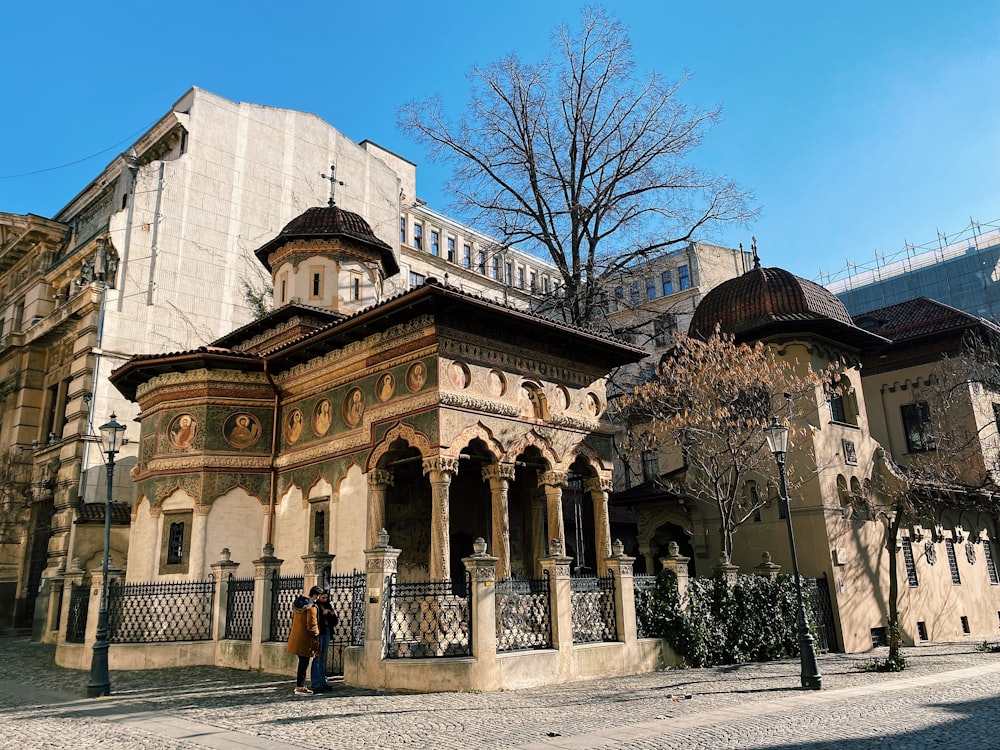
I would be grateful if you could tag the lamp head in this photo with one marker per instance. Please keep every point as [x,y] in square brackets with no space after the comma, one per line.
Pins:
[777,438]
[111,434]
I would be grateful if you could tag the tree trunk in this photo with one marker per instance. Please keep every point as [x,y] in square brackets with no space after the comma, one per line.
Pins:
[895,637]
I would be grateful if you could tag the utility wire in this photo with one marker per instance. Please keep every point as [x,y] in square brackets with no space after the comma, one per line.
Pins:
[85,158]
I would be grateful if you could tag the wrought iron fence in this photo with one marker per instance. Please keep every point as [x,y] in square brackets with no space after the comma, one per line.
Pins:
[283,593]
[644,588]
[239,609]
[79,605]
[593,607]
[523,614]
[817,592]
[347,597]
[427,619]
[160,612]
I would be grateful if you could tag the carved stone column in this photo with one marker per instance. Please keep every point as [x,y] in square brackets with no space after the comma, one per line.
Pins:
[222,569]
[599,487]
[620,566]
[199,532]
[482,570]
[553,482]
[561,603]
[678,563]
[265,569]
[500,476]
[539,547]
[440,470]
[379,482]
[767,568]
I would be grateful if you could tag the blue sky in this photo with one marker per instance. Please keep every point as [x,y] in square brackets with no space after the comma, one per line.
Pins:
[858,125]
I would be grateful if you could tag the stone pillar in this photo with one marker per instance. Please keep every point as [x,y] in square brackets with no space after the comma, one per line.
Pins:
[380,565]
[222,569]
[199,529]
[599,487]
[620,566]
[647,555]
[439,471]
[539,547]
[50,599]
[727,569]
[483,622]
[379,482]
[115,575]
[265,568]
[678,563]
[500,476]
[315,565]
[766,568]
[553,482]
[557,566]
[72,577]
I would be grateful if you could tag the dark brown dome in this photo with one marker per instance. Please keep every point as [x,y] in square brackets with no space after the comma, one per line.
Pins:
[766,301]
[322,222]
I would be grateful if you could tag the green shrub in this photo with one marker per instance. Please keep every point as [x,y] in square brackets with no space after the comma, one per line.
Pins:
[755,620]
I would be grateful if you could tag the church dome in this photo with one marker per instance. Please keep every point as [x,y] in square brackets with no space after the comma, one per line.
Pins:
[330,222]
[766,301]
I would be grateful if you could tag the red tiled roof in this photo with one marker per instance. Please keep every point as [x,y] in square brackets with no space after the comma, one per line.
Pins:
[121,513]
[917,318]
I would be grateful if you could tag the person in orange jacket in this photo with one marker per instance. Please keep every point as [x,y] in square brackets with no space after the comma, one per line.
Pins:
[303,641]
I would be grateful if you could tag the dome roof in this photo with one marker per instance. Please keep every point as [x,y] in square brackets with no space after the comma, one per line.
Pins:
[766,301]
[323,222]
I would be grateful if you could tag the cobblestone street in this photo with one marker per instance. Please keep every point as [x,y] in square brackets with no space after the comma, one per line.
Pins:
[950,696]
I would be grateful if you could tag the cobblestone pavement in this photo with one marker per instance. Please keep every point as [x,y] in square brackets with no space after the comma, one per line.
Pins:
[949,696]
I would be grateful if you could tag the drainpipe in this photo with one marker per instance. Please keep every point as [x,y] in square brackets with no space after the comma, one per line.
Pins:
[156,232]
[272,492]
[133,169]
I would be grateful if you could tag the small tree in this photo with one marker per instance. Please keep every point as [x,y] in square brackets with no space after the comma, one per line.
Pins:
[581,159]
[712,400]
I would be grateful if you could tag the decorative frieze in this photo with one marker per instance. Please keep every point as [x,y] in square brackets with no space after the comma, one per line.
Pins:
[479,403]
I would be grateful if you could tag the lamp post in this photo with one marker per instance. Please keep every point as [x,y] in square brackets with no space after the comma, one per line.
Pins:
[100,680]
[777,441]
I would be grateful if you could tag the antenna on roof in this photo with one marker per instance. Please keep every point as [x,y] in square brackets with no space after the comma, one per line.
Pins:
[753,249]
[332,177]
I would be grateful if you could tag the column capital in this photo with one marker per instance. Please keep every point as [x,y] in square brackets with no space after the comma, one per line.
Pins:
[553,479]
[445,465]
[380,478]
[597,484]
[499,472]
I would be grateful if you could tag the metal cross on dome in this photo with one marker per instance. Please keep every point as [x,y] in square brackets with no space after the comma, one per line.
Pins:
[332,177]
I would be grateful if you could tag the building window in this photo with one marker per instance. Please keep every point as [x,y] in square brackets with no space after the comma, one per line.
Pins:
[435,243]
[651,288]
[921,630]
[533,281]
[481,262]
[916,427]
[545,284]
[508,274]
[633,292]
[949,545]
[683,277]
[316,292]
[496,269]
[467,256]
[402,230]
[451,249]
[416,279]
[966,630]
[356,287]
[664,328]
[650,465]
[284,289]
[991,568]
[667,282]
[908,561]
[837,411]
[520,277]
[418,236]
[175,543]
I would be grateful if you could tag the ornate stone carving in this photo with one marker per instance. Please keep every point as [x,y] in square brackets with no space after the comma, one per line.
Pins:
[488,573]
[380,478]
[399,431]
[553,479]
[444,464]
[478,403]
[381,565]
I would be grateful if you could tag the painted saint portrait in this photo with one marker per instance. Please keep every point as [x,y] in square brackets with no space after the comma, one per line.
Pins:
[182,431]
[322,417]
[386,387]
[241,430]
[460,375]
[354,407]
[416,376]
[293,426]
[496,383]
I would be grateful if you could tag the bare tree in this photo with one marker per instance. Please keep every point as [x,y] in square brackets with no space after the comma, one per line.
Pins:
[15,494]
[581,159]
[712,400]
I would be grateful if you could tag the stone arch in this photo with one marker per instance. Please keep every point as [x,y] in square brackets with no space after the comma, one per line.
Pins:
[587,451]
[532,439]
[320,487]
[399,431]
[470,433]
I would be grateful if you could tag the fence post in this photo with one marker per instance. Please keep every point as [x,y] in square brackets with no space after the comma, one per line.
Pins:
[264,569]
[380,563]
[561,598]
[727,569]
[94,605]
[73,576]
[766,568]
[483,616]
[678,563]
[221,570]
[620,566]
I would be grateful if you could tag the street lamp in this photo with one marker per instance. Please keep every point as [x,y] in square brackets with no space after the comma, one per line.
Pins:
[100,680]
[777,441]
